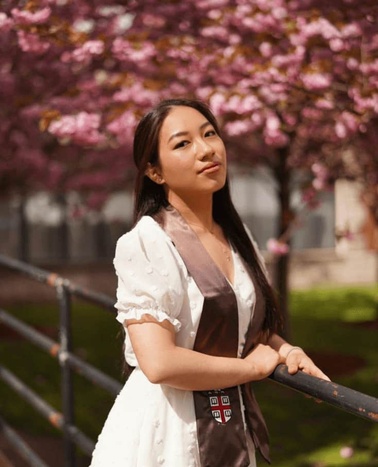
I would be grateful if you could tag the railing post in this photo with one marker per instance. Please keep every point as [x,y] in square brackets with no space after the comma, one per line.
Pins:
[65,338]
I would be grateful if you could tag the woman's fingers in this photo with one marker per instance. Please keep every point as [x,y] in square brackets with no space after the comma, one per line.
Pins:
[300,361]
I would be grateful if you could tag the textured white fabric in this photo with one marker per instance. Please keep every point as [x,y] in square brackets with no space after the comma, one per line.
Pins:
[151,425]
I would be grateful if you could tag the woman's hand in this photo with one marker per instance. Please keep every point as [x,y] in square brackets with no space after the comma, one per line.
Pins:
[263,360]
[296,360]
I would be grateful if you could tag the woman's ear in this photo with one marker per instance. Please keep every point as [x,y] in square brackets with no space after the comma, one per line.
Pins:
[153,173]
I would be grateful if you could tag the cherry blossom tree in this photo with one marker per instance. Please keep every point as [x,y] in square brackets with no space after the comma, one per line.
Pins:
[293,82]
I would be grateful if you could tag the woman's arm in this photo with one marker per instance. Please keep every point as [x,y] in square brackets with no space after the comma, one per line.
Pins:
[294,357]
[163,362]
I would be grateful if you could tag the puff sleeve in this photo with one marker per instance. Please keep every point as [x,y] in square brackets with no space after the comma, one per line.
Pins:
[150,279]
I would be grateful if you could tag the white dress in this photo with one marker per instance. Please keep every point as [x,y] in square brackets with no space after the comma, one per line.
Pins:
[152,425]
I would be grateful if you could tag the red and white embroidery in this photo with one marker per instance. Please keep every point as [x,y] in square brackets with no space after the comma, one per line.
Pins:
[220,407]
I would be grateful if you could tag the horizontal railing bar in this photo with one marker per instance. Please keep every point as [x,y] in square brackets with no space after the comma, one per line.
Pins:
[22,448]
[52,279]
[29,333]
[94,375]
[334,394]
[94,297]
[53,348]
[53,416]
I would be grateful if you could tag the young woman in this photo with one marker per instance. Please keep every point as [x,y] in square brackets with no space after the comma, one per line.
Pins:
[200,318]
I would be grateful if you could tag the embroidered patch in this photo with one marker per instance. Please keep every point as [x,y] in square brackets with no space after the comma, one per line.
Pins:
[220,406]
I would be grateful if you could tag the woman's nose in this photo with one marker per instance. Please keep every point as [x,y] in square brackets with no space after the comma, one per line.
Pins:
[204,149]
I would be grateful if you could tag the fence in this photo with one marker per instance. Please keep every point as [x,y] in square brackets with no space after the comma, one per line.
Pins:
[338,396]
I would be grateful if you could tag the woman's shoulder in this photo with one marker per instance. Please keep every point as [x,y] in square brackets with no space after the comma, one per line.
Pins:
[146,231]
[147,241]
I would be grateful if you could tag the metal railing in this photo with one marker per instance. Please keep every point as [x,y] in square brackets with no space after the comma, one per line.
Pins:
[338,396]
[62,351]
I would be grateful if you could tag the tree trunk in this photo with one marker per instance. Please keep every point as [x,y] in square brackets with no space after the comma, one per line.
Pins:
[23,229]
[281,273]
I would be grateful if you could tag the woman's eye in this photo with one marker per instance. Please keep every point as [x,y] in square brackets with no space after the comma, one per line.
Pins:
[181,144]
[210,133]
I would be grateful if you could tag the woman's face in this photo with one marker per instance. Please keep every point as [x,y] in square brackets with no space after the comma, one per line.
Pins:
[192,156]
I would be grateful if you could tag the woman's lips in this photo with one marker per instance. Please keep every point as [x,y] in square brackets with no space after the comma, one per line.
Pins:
[214,167]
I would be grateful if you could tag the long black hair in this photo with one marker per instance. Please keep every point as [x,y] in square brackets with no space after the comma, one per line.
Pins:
[150,197]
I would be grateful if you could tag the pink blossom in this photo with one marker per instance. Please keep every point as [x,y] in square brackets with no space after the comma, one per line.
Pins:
[324,104]
[337,44]
[316,81]
[319,170]
[371,67]
[348,235]
[216,4]
[352,63]
[204,93]
[266,49]
[273,135]
[32,111]
[346,125]
[237,128]
[312,113]
[272,123]
[175,89]
[249,104]
[309,197]
[81,128]
[351,30]
[319,184]
[217,103]
[279,12]
[234,39]
[289,119]
[87,50]
[258,23]
[277,247]
[346,452]
[183,53]
[153,21]
[289,59]
[216,32]
[321,174]
[136,93]
[214,14]
[123,127]
[277,139]
[257,119]
[123,50]
[29,42]
[27,17]
[5,22]
[321,27]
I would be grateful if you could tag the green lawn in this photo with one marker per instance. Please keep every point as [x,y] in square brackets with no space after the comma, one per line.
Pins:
[303,432]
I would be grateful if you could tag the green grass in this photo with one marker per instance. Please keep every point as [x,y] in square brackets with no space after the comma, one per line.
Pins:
[308,434]
[303,432]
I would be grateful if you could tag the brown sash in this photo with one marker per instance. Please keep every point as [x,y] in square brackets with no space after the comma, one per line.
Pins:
[220,428]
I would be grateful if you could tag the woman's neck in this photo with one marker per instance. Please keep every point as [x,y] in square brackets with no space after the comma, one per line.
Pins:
[198,213]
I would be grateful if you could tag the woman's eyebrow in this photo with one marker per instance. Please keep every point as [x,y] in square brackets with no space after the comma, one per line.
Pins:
[183,133]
